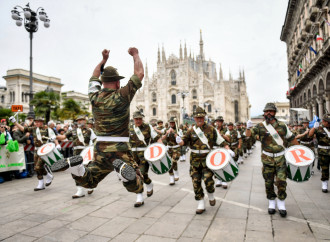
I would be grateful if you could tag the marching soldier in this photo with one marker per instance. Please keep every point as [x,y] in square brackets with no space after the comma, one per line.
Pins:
[273,135]
[247,141]
[81,139]
[322,133]
[182,131]
[173,149]
[110,106]
[218,122]
[303,136]
[40,137]
[235,143]
[201,138]
[142,135]
[241,150]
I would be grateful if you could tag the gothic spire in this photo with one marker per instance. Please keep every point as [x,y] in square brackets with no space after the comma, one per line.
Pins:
[220,73]
[230,76]
[163,54]
[146,70]
[201,52]
[180,51]
[243,75]
[185,50]
[158,61]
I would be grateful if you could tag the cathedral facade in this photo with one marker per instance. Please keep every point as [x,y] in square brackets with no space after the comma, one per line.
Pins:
[185,82]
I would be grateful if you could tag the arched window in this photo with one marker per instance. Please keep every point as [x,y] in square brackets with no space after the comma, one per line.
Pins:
[13,96]
[194,94]
[173,99]
[173,77]
[194,108]
[22,96]
[154,112]
[2,99]
[141,110]
[236,111]
[154,97]
[209,108]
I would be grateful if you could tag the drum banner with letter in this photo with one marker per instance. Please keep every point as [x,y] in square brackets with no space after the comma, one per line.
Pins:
[222,164]
[12,161]
[87,154]
[299,161]
[49,154]
[158,158]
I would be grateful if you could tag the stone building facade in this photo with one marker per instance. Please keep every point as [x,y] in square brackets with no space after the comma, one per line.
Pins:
[162,94]
[17,89]
[306,31]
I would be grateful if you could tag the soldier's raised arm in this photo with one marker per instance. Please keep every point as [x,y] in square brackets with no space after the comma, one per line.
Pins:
[138,66]
[100,66]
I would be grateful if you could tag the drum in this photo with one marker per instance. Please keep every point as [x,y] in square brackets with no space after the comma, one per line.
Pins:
[87,154]
[158,158]
[299,162]
[222,164]
[49,154]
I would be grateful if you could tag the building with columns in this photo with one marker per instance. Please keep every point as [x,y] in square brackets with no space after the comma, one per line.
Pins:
[181,83]
[17,87]
[306,31]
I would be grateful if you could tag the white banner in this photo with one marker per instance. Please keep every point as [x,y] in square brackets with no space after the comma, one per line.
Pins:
[12,161]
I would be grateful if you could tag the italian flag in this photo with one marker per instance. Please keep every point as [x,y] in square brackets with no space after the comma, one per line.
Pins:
[318,37]
[300,67]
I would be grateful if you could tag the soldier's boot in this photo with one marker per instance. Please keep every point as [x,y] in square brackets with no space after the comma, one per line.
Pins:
[90,191]
[184,157]
[80,192]
[41,185]
[245,155]
[240,160]
[271,206]
[176,175]
[172,181]
[74,164]
[218,183]
[211,198]
[150,189]
[200,207]
[224,185]
[48,178]
[125,171]
[281,207]
[325,186]
[139,200]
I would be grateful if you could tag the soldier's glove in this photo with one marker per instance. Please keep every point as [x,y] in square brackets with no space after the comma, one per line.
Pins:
[70,128]
[12,119]
[178,139]
[58,147]
[316,125]
[249,124]
[51,140]
[232,153]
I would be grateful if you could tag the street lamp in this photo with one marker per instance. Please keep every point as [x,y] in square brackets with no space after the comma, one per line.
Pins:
[183,94]
[31,26]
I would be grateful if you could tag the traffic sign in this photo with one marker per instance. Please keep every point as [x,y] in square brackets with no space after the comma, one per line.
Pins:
[17,108]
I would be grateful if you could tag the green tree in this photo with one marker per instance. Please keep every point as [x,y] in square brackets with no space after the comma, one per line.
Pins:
[70,109]
[44,102]
[5,113]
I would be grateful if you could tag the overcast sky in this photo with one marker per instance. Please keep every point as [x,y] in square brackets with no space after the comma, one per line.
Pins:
[237,34]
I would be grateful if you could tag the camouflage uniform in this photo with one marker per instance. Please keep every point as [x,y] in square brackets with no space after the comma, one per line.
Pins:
[139,146]
[273,166]
[111,114]
[39,164]
[323,151]
[243,147]
[198,168]
[306,140]
[234,136]
[174,152]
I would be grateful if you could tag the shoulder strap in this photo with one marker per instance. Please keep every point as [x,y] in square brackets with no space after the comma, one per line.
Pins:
[273,133]
[139,134]
[201,136]
[80,136]
[328,133]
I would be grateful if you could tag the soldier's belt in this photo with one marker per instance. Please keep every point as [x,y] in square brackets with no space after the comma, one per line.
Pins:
[274,154]
[306,142]
[323,147]
[79,147]
[172,147]
[112,139]
[139,148]
[200,151]
[216,147]
[234,143]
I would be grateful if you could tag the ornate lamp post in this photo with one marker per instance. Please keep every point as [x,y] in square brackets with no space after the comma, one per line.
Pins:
[183,95]
[31,25]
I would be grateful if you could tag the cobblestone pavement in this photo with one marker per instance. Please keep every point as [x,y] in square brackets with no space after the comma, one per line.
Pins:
[169,215]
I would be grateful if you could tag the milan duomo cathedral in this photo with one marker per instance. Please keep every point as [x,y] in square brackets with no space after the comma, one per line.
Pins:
[184,83]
